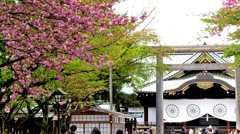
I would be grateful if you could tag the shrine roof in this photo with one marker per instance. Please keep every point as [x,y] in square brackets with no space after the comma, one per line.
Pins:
[191,58]
[176,83]
[188,58]
[177,58]
[99,110]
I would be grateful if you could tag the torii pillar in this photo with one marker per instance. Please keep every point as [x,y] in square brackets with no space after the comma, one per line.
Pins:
[237,97]
[159,98]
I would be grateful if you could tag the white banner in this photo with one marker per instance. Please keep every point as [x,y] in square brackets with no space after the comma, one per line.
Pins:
[183,110]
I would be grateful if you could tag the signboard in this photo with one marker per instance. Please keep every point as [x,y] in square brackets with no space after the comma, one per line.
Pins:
[135,114]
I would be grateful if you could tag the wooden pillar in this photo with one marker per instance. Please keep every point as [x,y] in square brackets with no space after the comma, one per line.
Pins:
[237,97]
[84,128]
[111,122]
[145,115]
[159,98]
[135,124]
[130,128]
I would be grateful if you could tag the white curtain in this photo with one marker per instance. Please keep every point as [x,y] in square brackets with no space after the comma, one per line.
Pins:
[183,110]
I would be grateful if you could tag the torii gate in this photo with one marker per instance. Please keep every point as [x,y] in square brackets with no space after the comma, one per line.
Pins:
[187,49]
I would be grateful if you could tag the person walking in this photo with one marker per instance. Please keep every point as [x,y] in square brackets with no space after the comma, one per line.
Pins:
[64,130]
[73,129]
[236,131]
[96,131]
[215,130]
[191,131]
[183,131]
[172,131]
[134,131]
[150,130]
[210,130]
[126,131]
[231,132]
[119,131]
[145,131]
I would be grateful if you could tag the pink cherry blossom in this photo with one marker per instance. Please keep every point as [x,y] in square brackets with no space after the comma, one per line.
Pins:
[3,90]
[143,16]
[110,63]
[47,95]
[61,103]
[3,100]
[15,118]
[49,34]
[230,2]
[102,30]
[7,109]
[60,77]
[133,19]
[110,35]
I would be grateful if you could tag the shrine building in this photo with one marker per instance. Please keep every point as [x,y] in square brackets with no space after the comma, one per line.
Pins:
[192,98]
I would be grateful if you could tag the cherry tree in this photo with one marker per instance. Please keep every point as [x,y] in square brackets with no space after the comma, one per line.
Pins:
[227,17]
[47,34]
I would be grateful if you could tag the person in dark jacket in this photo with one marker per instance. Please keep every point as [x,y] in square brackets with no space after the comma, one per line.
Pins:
[203,131]
[64,130]
[172,131]
[183,131]
[96,131]
[73,129]
[215,130]
[119,131]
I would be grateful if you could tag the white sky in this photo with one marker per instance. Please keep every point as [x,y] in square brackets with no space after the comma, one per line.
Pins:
[177,22]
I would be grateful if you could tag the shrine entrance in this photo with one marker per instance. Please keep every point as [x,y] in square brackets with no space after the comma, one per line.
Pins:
[202,123]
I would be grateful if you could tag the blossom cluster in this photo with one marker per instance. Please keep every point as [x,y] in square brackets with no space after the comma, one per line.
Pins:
[50,33]
[230,3]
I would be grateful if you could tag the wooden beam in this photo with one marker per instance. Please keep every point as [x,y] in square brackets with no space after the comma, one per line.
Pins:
[192,49]
[212,66]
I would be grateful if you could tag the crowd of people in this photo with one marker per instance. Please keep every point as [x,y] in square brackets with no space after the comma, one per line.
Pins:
[207,130]
[95,130]
[73,129]
[234,131]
